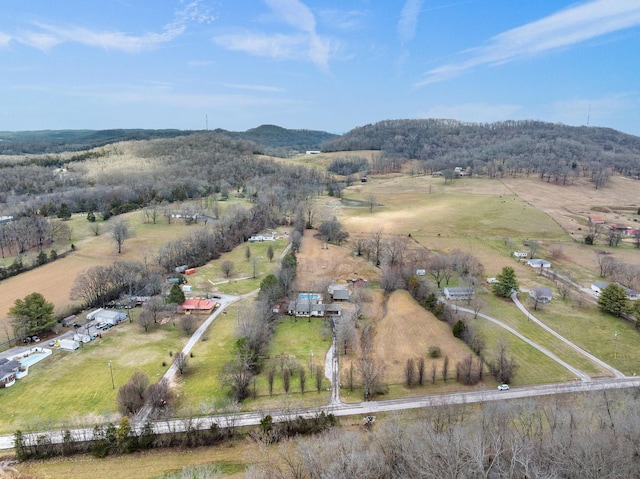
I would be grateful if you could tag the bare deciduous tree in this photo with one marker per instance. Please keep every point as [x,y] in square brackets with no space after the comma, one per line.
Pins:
[227,268]
[181,361]
[120,232]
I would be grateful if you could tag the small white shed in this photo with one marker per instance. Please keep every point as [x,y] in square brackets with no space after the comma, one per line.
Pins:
[69,344]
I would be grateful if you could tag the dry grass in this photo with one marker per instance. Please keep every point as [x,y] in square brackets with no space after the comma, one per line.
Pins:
[406,331]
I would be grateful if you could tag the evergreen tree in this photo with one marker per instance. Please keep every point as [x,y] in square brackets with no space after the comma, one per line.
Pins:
[176,295]
[64,212]
[506,282]
[613,300]
[32,315]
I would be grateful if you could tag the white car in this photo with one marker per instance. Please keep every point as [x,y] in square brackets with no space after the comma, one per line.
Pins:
[35,339]
[503,387]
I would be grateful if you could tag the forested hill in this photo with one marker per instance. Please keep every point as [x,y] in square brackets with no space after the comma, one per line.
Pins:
[449,143]
[278,141]
[269,139]
[57,141]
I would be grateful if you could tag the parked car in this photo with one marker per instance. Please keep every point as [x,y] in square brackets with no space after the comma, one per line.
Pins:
[35,339]
[503,387]
[52,344]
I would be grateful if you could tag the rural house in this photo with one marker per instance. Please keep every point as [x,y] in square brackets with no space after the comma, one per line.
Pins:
[110,316]
[539,263]
[198,306]
[311,305]
[8,372]
[339,292]
[598,287]
[541,294]
[458,293]
[521,254]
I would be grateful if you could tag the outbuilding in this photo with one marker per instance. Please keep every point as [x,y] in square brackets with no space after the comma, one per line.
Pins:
[69,344]
[110,316]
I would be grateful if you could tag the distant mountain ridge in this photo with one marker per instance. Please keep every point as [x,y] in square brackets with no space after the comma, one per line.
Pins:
[270,139]
[273,137]
[522,146]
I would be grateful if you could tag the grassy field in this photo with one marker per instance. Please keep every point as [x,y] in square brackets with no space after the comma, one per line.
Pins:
[487,218]
[73,388]
[201,390]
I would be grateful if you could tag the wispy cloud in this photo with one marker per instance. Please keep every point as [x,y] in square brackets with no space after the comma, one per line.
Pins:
[50,35]
[559,30]
[347,20]
[303,43]
[39,40]
[4,39]
[262,88]
[409,20]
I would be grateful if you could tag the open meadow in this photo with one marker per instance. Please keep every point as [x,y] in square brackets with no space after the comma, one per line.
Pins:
[486,218]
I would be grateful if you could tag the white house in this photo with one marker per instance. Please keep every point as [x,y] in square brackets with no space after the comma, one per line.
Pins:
[110,316]
[458,293]
[598,287]
[541,294]
[521,254]
[539,263]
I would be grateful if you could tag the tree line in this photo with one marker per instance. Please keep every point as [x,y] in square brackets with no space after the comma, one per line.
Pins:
[555,152]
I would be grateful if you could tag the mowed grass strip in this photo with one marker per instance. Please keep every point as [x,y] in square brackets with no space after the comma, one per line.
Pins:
[72,387]
[595,331]
[506,312]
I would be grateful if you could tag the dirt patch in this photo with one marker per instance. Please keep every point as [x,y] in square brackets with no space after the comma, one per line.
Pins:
[319,263]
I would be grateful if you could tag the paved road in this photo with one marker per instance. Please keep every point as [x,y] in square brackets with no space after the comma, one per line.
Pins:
[362,409]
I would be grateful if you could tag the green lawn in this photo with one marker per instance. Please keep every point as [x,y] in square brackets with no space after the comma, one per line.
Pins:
[201,390]
[68,387]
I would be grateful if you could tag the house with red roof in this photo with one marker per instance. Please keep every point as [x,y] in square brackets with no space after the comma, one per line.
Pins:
[197,306]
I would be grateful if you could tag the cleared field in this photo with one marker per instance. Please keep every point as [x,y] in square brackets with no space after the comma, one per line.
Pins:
[55,280]
[407,331]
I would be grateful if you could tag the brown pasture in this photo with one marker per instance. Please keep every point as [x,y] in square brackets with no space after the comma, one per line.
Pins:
[55,280]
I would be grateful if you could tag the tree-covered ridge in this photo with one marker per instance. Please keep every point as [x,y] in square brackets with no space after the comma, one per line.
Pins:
[58,141]
[512,146]
[116,181]
[277,141]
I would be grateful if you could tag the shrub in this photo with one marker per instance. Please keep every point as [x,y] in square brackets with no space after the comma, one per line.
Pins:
[434,352]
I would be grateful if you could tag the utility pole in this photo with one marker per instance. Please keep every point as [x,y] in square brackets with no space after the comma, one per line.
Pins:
[113,384]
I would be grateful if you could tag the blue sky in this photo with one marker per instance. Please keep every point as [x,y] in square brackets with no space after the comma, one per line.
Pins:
[319,64]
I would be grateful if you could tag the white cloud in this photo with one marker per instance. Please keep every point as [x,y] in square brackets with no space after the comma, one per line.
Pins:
[111,40]
[51,35]
[562,29]
[409,20]
[41,41]
[343,20]
[4,39]
[263,88]
[474,112]
[304,43]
